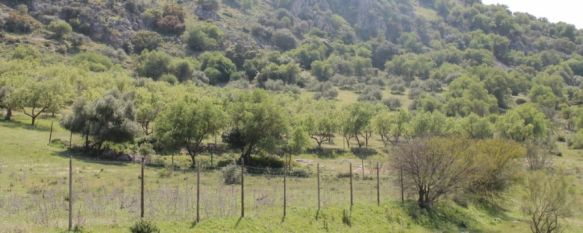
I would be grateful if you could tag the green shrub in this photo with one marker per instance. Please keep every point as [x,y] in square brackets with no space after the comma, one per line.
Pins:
[217,67]
[93,61]
[59,28]
[301,172]
[232,174]
[170,24]
[143,40]
[20,23]
[576,141]
[169,78]
[205,36]
[144,226]
[153,64]
[284,40]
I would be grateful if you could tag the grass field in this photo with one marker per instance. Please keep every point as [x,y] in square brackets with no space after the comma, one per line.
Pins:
[33,194]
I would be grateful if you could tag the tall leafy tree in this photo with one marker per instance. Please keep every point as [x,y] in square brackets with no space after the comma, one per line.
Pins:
[257,123]
[188,122]
[523,123]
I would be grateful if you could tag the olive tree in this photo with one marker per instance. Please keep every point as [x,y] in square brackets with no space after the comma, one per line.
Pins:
[257,122]
[188,122]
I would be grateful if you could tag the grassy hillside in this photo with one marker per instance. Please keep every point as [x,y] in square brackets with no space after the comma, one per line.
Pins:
[333,82]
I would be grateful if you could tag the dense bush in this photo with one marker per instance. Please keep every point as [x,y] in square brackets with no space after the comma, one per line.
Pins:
[20,23]
[576,141]
[284,40]
[171,20]
[144,226]
[59,28]
[93,61]
[204,36]
[217,67]
[153,64]
[143,40]
[392,103]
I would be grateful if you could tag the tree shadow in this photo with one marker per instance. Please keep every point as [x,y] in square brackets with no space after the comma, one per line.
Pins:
[327,153]
[363,153]
[21,125]
[89,157]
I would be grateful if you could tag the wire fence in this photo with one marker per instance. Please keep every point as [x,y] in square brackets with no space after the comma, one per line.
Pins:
[172,195]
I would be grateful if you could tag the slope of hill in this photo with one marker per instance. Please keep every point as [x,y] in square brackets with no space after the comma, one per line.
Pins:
[337,72]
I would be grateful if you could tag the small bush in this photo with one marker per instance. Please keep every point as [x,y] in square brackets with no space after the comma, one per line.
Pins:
[346,218]
[205,36]
[142,40]
[232,174]
[170,24]
[301,172]
[20,23]
[576,141]
[284,39]
[144,226]
[392,103]
[59,28]
[153,64]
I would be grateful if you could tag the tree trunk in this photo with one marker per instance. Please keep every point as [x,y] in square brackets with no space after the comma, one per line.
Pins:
[33,120]
[424,202]
[8,115]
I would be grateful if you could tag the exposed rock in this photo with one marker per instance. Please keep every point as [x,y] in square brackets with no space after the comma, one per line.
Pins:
[205,14]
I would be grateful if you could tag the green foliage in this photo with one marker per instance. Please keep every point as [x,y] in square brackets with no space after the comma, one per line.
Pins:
[59,28]
[467,95]
[145,40]
[547,200]
[188,122]
[284,40]
[144,226]
[426,124]
[523,123]
[576,140]
[20,23]
[111,118]
[172,20]
[258,122]
[217,67]
[153,64]
[288,73]
[93,61]
[392,127]
[476,127]
[204,36]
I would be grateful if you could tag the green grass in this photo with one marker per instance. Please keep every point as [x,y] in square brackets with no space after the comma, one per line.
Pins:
[33,194]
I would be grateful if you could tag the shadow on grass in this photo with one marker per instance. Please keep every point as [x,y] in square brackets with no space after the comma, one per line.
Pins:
[327,153]
[238,221]
[89,157]
[21,125]
[443,217]
[363,153]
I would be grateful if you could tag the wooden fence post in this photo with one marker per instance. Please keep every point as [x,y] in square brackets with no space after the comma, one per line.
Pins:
[197,192]
[242,187]
[51,133]
[351,194]
[402,187]
[71,192]
[378,186]
[286,164]
[318,171]
[71,140]
[142,190]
